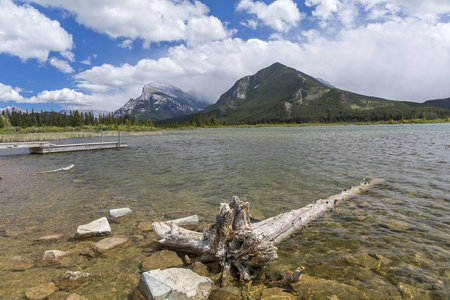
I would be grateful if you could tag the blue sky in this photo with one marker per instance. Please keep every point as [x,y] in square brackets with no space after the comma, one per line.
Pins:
[97,54]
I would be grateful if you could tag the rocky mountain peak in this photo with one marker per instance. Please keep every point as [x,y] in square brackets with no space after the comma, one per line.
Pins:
[159,101]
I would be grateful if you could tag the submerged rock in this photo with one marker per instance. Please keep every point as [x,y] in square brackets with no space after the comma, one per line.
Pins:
[161,260]
[186,221]
[316,288]
[143,227]
[119,212]
[41,291]
[276,293]
[199,268]
[49,238]
[107,244]
[73,280]
[174,283]
[16,263]
[226,293]
[95,228]
[55,255]
[76,297]
[397,225]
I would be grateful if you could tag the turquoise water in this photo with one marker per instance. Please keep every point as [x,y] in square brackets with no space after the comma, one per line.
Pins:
[405,221]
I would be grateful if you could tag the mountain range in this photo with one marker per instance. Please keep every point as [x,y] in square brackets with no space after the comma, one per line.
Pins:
[281,94]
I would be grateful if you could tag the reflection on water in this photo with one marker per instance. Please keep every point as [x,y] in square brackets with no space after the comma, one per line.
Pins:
[394,238]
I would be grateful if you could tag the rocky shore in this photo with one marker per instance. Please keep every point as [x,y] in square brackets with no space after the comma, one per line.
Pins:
[162,273]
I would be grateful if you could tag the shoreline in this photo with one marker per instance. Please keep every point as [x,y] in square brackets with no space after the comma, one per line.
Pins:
[55,133]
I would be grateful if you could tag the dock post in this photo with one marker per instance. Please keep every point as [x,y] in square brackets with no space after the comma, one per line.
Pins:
[102,135]
[119,138]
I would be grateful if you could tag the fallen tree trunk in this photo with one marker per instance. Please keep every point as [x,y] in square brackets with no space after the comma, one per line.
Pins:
[232,240]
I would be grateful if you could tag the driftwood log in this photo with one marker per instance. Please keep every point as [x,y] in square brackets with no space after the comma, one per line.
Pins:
[58,170]
[234,241]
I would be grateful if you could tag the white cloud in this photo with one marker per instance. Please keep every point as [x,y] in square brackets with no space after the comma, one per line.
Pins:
[324,8]
[87,61]
[26,33]
[64,97]
[127,44]
[149,20]
[328,12]
[62,65]
[251,23]
[280,15]
[402,60]
[7,93]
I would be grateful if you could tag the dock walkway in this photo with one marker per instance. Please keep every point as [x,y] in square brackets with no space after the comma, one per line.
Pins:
[24,145]
[76,147]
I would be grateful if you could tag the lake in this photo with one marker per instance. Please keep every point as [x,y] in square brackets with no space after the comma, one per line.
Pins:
[391,242]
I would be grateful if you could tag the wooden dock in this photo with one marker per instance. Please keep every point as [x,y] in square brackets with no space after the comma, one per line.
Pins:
[16,145]
[76,147]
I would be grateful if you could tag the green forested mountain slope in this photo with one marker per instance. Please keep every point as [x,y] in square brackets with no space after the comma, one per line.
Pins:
[280,93]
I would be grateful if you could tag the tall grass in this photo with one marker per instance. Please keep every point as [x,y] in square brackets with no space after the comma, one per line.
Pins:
[42,136]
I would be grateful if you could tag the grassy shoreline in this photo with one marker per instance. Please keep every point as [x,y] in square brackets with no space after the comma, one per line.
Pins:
[15,134]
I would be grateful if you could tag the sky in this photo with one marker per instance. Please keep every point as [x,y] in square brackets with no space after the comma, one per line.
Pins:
[97,54]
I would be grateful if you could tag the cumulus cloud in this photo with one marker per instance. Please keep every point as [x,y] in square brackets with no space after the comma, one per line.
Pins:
[401,60]
[149,20]
[27,33]
[128,44]
[8,93]
[329,12]
[280,15]
[62,65]
[63,97]
[324,8]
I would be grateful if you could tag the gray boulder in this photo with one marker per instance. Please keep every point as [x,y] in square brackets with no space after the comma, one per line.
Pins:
[95,228]
[174,283]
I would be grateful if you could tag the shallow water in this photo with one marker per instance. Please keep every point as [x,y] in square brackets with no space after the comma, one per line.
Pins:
[276,170]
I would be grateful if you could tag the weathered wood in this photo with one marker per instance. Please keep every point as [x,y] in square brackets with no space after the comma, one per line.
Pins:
[60,169]
[232,240]
[77,147]
[15,145]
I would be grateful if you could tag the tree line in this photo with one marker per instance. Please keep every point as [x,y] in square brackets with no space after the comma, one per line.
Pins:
[74,118]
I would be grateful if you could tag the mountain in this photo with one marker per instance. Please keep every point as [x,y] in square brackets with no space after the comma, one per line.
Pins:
[13,108]
[280,93]
[160,101]
[442,103]
[95,112]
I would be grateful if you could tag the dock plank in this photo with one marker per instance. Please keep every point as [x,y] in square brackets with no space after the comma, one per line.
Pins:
[77,147]
[14,145]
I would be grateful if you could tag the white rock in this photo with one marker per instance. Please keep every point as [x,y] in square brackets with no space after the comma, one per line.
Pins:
[174,283]
[55,255]
[119,212]
[95,228]
[187,221]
